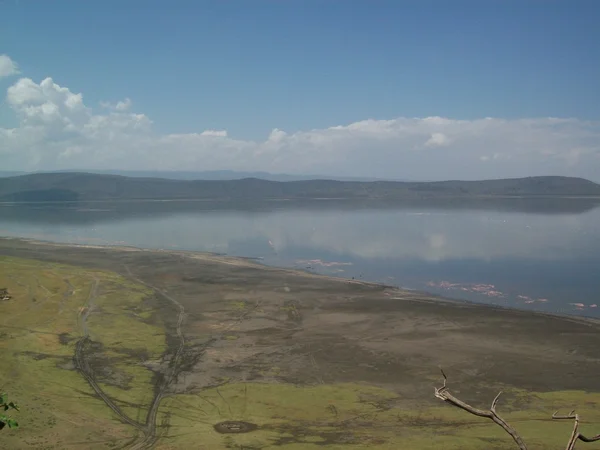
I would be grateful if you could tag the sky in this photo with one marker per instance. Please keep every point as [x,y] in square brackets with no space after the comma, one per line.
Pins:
[420,90]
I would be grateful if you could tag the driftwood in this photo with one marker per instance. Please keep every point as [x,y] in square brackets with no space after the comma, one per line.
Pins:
[575,435]
[444,394]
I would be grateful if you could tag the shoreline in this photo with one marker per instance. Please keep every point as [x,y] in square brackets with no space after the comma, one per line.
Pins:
[146,332]
[397,200]
[240,261]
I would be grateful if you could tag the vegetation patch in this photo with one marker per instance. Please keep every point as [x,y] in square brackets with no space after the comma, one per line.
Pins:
[59,408]
[341,415]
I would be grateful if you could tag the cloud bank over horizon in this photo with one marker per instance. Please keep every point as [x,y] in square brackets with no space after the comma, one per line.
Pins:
[57,130]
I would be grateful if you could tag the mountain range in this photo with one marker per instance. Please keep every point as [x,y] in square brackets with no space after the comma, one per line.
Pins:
[68,186]
[201,175]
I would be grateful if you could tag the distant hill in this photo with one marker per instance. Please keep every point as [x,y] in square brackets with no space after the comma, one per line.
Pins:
[200,175]
[44,187]
[10,173]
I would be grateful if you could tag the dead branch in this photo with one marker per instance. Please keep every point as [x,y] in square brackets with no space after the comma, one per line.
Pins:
[575,435]
[444,394]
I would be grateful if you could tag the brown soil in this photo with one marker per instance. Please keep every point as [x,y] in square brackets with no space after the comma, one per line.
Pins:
[235,426]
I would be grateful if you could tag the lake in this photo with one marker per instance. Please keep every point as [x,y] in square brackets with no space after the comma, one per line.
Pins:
[538,254]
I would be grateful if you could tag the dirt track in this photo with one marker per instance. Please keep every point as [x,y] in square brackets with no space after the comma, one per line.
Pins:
[82,365]
[149,427]
[150,436]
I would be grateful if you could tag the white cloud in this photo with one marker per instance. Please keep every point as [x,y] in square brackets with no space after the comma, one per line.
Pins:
[277,135]
[215,133]
[122,105]
[437,140]
[58,131]
[7,66]
[45,103]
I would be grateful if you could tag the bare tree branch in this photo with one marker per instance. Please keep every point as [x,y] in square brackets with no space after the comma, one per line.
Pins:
[575,435]
[444,394]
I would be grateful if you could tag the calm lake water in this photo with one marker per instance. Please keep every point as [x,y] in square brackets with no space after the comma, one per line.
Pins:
[539,254]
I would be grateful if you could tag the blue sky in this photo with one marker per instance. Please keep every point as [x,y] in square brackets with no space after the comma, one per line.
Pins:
[251,66]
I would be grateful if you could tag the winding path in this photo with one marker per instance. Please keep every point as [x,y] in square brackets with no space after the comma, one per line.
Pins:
[148,428]
[150,425]
[81,363]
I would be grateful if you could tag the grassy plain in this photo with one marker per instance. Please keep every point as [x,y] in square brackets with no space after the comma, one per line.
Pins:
[358,416]
[40,326]
[310,362]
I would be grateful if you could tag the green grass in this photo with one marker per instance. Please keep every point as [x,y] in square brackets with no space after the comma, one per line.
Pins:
[238,306]
[58,408]
[355,416]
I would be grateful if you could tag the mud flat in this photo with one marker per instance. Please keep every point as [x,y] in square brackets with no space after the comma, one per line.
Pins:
[162,349]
